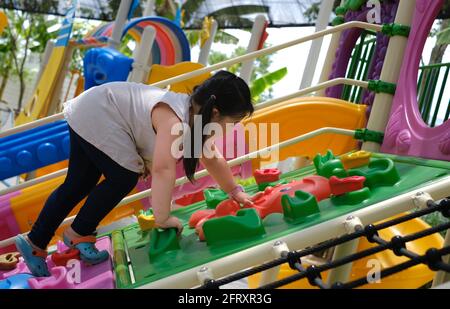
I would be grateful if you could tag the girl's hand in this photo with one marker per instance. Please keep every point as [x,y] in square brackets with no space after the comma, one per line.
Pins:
[171,222]
[246,199]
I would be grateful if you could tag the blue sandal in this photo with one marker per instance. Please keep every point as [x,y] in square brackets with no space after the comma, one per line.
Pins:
[88,252]
[35,259]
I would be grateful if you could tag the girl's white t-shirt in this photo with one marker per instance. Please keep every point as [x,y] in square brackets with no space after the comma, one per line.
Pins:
[116,118]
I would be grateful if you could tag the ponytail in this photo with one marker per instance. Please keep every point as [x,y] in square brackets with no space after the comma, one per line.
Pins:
[191,163]
[227,93]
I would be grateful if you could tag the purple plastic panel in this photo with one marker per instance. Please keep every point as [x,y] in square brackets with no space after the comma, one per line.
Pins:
[8,223]
[406,132]
[348,41]
[388,13]
[343,53]
[100,276]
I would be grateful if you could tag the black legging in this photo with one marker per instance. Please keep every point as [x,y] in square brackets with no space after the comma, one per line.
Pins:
[86,165]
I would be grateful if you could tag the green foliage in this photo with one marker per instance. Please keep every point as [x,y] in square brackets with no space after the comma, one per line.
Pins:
[265,82]
[189,7]
[443,37]
[261,64]
[29,33]
[435,219]
[264,79]
[440,27]
[80,30]
[125,46]
[225,38]
[40,35]
[221,37]
[166,8]
[216,57]
[312,12]
[193,37]
[26,33]
[5,57]
[235,15]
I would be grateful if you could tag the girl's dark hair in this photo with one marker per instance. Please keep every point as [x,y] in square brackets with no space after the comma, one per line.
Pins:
[226,92]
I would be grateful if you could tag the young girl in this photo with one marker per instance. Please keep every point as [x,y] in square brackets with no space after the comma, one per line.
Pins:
[123,130]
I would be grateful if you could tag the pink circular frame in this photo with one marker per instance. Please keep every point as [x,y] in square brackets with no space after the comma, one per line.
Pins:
[406,132]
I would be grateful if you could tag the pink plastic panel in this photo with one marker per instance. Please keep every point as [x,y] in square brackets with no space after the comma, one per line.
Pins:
[406,132]
[8,223]
[100,276]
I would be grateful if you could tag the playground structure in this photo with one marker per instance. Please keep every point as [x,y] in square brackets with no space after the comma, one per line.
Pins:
[50,142]
[149,252]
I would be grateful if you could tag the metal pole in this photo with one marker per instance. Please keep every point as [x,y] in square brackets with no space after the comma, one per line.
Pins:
[342,274]
[442,276]
[204,51]
[257,31]
[323,19]
[382,104]
[149,8]
[270,275]
[119,23]
[141,64]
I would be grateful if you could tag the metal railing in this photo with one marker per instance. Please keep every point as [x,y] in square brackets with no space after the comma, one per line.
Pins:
[433,96]
[434,101]
[358,67]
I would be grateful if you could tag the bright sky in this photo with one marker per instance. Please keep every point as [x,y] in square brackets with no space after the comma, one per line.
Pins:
[294,58]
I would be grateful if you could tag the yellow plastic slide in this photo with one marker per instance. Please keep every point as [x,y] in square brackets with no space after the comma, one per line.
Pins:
[38,106]
[302,115]
[39,103]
